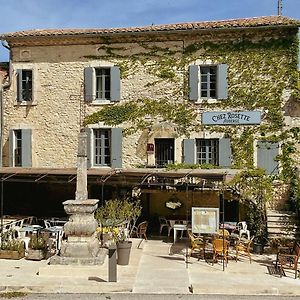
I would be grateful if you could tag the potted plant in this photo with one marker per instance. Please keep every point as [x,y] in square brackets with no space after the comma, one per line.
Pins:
[117,219]
[12,249]
[37,248]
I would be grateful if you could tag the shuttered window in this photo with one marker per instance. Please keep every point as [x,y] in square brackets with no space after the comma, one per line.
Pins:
[266,156]
[207,151]
[20,152]
[208,82]
[102,84]
[104,147]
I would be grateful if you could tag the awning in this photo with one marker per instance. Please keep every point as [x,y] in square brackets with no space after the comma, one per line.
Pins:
[117,177]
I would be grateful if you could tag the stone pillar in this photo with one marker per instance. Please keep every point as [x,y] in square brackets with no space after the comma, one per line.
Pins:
[82,246]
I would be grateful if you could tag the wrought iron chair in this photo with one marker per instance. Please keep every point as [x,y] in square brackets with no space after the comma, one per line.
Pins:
[288,257]
[243,247]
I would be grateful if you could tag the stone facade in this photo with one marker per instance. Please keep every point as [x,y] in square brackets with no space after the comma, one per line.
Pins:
[154,64]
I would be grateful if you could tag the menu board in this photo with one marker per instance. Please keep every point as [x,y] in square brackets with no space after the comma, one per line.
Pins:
[205,220]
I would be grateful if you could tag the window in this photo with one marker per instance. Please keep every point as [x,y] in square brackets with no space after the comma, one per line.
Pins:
[104,147]
[24,85]
[208,82]
[207,151]
[102,84]
[20,148]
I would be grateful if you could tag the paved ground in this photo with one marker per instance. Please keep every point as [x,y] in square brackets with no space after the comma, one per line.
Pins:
[157,267]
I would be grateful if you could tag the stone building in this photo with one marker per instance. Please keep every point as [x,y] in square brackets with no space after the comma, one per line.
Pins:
[219,94]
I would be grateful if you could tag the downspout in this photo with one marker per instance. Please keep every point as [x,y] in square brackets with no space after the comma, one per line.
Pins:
[2,87]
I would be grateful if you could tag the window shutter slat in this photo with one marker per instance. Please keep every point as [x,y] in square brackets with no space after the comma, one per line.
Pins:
[89,89]
[115,84]
[193,82]
[116,147]
[266,154]
[224,153]
[11,148]
[189,147]
[19,86]
[222,88]
[89,146]
[26,148]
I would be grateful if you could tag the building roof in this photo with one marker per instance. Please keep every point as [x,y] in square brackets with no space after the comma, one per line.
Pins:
[257,22]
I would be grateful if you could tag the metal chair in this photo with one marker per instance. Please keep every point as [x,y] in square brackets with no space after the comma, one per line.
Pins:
[243,246]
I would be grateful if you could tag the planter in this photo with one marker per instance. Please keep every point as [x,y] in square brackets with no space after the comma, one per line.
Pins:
[258,248]
[123,252]
[11,254]
[36,254]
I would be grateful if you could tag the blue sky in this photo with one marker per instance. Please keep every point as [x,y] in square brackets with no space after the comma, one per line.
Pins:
[41,14]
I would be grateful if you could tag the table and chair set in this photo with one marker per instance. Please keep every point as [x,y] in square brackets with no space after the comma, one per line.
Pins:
[231,236]
[23,228]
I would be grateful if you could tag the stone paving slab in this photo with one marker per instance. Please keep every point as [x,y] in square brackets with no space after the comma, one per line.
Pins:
[157,267]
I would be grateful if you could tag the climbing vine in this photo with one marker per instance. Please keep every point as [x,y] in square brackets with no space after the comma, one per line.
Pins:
[256,73]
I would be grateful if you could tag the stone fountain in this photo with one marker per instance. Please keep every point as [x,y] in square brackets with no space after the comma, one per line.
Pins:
[81,246]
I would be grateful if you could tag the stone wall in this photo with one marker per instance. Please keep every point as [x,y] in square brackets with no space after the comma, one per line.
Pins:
[58,109]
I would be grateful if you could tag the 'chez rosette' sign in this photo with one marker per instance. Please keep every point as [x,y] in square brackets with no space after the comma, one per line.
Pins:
[231,118]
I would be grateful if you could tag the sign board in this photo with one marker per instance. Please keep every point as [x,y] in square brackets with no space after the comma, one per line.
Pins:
[205,220]
[231,118]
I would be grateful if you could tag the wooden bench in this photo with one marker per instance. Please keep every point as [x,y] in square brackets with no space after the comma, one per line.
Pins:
[287,258]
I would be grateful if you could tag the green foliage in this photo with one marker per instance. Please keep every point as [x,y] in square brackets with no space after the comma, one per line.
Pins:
[178,166]
[10,295]
[13,245]
[37,243]
[136,114]
[253,187]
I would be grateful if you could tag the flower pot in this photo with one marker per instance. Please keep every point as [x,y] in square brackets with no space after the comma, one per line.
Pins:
[123,252]
[258,248]
[36,254]
[11,254]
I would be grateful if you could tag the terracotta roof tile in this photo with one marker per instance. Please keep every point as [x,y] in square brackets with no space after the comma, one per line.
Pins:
[232,23]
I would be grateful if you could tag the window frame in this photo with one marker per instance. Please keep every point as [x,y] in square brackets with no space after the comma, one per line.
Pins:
[102,139]
[196,80]
[211,151]
[21,73]
[92,81]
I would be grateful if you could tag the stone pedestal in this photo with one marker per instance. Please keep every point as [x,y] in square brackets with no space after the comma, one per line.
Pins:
[82,246]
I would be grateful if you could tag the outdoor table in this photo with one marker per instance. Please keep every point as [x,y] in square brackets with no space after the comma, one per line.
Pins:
[29,229]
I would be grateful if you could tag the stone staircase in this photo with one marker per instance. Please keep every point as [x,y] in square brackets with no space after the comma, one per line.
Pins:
[282,224]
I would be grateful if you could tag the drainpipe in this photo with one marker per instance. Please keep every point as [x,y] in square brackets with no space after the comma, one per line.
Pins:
[2,87]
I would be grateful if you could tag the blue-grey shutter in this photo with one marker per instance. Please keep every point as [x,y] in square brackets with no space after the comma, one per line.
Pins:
[26,147]
[11,148]
[189,149]
[19,86]
[266,154]
[89,132]
[222,88]
[194,82]
[116,147]
[89,89]
[224,153]
[115,84]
